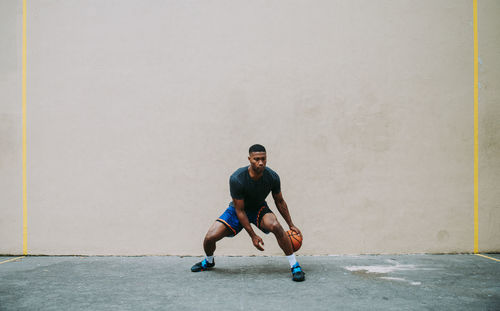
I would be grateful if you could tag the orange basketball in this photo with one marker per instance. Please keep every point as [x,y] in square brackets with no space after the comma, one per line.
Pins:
[295,238]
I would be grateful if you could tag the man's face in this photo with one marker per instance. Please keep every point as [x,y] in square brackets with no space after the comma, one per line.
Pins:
[257,161]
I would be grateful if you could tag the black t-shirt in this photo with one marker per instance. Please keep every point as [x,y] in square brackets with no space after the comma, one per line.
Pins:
[253,192]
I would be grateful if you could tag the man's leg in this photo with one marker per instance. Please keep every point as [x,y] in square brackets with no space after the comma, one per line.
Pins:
[270,223]
[216,232]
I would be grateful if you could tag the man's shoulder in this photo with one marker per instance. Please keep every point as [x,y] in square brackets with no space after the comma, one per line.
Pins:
[239,173]
[271,173]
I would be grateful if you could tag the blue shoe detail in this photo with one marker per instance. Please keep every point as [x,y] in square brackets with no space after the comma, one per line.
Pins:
[297,274]
[296,268]
[202,266]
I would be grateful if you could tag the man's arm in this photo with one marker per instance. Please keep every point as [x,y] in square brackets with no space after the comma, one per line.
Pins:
[283,209]
[239,206]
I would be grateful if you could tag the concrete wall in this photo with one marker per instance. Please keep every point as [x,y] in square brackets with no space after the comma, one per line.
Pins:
[138,112]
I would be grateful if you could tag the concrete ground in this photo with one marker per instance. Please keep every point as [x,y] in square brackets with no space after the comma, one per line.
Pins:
[384,282]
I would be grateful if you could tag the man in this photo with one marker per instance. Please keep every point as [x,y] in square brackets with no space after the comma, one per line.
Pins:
[249,187]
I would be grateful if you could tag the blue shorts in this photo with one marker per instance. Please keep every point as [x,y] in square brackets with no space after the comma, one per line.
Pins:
[230,220]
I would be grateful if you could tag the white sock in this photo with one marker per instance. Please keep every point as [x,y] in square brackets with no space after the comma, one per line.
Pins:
[210,259]
[292,260]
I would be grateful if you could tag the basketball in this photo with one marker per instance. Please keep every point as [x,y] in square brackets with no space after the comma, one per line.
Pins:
[295,238]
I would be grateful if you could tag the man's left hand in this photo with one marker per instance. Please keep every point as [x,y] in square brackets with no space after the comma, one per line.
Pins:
[295,229]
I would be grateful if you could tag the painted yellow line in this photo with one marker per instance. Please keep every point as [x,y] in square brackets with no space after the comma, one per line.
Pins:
[25,200]
[476,143]
[9,260]
[487,257]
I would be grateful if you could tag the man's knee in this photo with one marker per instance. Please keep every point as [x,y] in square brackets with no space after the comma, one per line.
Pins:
[210,236]
[216,232]
[275,227]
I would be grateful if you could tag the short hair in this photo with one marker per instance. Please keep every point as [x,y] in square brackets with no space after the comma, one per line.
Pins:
[256,148]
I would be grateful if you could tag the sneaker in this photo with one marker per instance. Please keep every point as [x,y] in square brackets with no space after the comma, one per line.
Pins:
[202,266]
[297,274]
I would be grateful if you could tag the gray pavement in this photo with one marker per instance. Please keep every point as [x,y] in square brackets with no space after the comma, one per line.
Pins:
[374,282]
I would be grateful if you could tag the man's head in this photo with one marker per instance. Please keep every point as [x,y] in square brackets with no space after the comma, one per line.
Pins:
[257,158]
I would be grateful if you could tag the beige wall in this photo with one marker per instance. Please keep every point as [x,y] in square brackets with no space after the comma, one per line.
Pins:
[11,206]
[489,125]
[138,112]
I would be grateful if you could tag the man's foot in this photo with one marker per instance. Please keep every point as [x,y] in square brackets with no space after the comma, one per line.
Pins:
[202,266]
[297,274]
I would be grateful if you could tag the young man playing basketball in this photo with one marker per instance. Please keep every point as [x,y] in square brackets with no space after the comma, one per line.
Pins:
[249,187]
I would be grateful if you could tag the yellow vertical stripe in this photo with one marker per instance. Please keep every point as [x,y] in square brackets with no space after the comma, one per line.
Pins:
[25,199]
[476,144]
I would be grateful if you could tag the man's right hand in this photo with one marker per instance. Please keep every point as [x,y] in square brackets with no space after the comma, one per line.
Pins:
[258,242]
